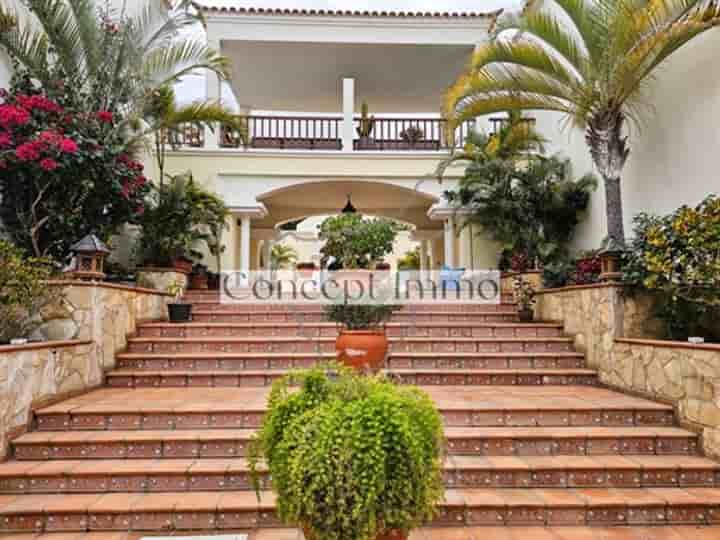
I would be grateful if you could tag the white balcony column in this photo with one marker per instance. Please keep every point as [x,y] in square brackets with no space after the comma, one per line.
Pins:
[212,91]
[465,247]
[449,241]
[423,258]
[348,108]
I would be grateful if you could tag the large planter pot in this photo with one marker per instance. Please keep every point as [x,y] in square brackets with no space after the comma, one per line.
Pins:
[179,313]
[393,534]
[182,265]
[362,349]
[198,281]
[525,315]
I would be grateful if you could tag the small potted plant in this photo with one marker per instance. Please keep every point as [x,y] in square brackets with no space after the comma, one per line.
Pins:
[365,127]
[178,312]
[412,135]
[350,457]
[361,342]
[524,296]
[199,277]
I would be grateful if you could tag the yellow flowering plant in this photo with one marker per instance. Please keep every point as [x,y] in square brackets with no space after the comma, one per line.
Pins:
[677,256]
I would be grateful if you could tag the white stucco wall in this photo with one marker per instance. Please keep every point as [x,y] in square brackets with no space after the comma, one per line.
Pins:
[4,70]
[675,158]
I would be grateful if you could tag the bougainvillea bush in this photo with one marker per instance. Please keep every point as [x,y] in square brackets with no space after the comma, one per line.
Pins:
[677,257]
[64,171]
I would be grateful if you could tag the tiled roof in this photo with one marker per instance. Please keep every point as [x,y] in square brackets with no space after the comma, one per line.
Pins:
[305,12]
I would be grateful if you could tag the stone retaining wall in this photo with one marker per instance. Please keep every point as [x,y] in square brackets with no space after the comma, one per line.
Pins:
[685,374]
[84,331]
[604,318]
[33,374]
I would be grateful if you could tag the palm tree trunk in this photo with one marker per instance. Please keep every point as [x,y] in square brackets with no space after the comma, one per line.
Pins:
[609,151]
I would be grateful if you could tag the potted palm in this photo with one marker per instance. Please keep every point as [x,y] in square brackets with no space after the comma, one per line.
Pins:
[365,128]
[524,296]
[178,312]
[350,457]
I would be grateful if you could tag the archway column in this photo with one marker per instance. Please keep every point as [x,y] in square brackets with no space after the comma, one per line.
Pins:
[243,217]
[451,217]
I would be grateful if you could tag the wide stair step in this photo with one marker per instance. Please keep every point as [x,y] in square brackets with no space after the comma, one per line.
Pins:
[213,510]
[479,406]
[142,378]
[328,329]
[171,443]
[220,361]
[232,473]
[227,315]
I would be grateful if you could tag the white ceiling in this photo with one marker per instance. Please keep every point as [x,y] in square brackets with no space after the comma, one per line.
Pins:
[307,77]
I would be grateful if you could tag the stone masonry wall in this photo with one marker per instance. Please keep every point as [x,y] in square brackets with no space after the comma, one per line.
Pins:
[85,329]
[685,374]
[601,318]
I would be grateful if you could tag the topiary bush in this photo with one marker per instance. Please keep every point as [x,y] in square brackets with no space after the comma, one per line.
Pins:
[350,456]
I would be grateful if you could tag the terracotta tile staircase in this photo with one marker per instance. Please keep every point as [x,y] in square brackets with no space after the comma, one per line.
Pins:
[536,447]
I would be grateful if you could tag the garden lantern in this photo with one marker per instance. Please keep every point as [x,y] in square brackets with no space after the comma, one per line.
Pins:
[90,253]
[610,261]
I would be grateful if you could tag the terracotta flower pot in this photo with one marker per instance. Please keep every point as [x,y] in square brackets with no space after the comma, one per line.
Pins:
[198,281]
[182,265]
[362,349]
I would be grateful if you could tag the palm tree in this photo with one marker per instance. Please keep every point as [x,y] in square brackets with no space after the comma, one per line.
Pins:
[282,256]
[113,61]
[588,59]
[167,120]
[514,141]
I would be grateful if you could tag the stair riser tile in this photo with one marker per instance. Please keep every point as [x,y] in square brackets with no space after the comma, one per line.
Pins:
[229,317]
[189,380]
[411,330]
[403,361]
[462,418]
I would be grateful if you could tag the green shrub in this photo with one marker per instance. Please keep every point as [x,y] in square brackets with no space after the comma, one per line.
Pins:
[356,242]
[23,291]
[350,456]
[677,258]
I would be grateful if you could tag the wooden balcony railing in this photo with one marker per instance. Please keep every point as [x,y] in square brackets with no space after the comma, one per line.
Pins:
[294,132]
[407,134]
[325,133]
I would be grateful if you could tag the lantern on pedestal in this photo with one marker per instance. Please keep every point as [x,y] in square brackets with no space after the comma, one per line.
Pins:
[610,260]
[90,253]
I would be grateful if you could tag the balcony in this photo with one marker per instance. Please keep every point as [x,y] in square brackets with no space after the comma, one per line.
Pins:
[325,133]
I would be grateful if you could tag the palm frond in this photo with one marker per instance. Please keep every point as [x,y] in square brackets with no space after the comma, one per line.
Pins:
[166,65]
[88,33]
[58,23]
[199,112]
[28,45]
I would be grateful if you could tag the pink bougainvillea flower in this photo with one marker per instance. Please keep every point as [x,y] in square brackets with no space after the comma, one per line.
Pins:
[29,151]
[49,164]
[68,146]
[13,116]
[50,137]
[38,102]
[3,164]
[5,140]
[104,116]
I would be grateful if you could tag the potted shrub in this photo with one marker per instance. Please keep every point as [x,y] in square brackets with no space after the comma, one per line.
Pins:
[199,277]
[180,215]
[524,296]
[178,312]
[412,135]
[350,457]
[361,342]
